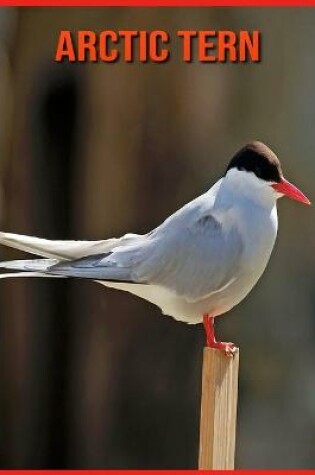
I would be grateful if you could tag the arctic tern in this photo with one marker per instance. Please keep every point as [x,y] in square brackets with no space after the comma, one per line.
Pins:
[199,263]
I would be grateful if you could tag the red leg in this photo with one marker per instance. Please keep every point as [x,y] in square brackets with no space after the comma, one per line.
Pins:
[227,348]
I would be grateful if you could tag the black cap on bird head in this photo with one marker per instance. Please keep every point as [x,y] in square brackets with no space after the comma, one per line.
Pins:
[259,159]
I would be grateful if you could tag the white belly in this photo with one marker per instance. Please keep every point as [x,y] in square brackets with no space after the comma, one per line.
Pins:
[180,309]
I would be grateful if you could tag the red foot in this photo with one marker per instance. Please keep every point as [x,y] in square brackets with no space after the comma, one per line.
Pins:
[228,348]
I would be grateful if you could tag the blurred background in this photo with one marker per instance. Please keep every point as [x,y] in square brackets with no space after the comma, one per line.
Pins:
[95,378]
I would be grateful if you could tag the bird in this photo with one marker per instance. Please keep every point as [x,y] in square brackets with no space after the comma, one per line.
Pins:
[199,263]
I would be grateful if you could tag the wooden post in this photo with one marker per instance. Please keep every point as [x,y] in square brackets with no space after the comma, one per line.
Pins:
[218,410]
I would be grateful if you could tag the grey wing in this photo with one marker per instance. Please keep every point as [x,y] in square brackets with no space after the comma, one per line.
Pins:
[115,265]
[192,259]
[196,260]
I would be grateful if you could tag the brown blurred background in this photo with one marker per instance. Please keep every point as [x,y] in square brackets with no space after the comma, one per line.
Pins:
[94,378]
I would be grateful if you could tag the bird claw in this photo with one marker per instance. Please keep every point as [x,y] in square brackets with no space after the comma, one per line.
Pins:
[228,348]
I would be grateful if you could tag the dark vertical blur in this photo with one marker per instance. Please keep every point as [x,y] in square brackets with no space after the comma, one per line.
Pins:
[55,113]
[94,378]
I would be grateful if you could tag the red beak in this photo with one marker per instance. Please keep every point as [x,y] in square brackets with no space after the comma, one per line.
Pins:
[286,188]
